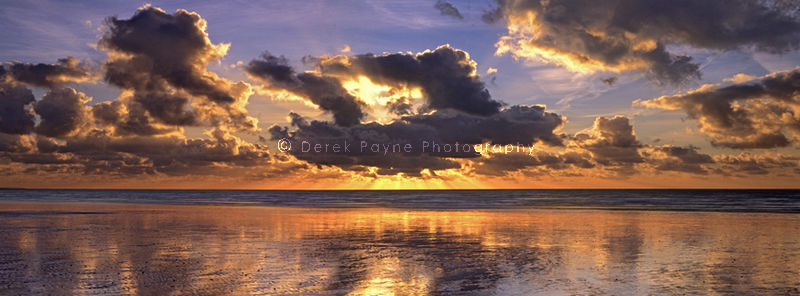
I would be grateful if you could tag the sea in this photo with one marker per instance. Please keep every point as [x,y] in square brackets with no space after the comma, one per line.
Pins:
[428,242]
[713,200]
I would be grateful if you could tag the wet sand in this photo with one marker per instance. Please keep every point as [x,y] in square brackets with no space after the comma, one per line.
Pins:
[93,249]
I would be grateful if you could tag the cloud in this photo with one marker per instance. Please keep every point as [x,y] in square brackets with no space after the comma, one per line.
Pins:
[351,156]
[125,117]
[159,61]
[759,113]
[447,9]
[163,58]
[49,75]
[678,159]
[14,117]
[325,92]
[514,125]
[454,132]
[170,109]
[739,78]
[609,149]
[401,106]
[610,146]
[14,143]
[172,47]
[686,155]
[501,164]
[62,111]
[610,80]
[98,152]
[458,111]
[628,35]
[750,164]
[173,155]
[447,76]
[611,142]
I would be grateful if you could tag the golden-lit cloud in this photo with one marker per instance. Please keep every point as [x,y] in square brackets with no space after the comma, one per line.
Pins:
[385,103]
[746,113]
[66,70]
[525,40]
[621,36]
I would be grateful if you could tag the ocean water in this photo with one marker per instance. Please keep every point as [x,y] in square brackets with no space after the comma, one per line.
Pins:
[492,242]
[781,201]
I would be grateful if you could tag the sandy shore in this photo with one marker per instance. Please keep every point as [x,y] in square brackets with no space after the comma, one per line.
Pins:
[92,249]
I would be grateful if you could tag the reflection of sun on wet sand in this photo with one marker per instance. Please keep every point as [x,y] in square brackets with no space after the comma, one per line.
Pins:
[127,249]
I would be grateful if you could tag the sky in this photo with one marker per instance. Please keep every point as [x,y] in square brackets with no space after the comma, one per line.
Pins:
[400,94]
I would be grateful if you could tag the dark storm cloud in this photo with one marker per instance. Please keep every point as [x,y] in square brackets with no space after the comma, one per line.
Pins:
[447,9]
[163,58]
[49,75]
[523,125]
[446,76]
[759,113]
[167,108]
[517,124]
[275,70]
[15,118]
[173,47]
[319,132]
[62,111]
[325,92]
[622,35]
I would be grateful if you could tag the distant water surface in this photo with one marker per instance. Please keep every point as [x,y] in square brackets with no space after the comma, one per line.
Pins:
[674,200]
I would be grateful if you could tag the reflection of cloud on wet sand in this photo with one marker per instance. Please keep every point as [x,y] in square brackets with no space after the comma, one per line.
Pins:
[244,250]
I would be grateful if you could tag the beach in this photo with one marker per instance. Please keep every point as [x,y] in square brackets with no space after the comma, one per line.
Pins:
[104,248]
